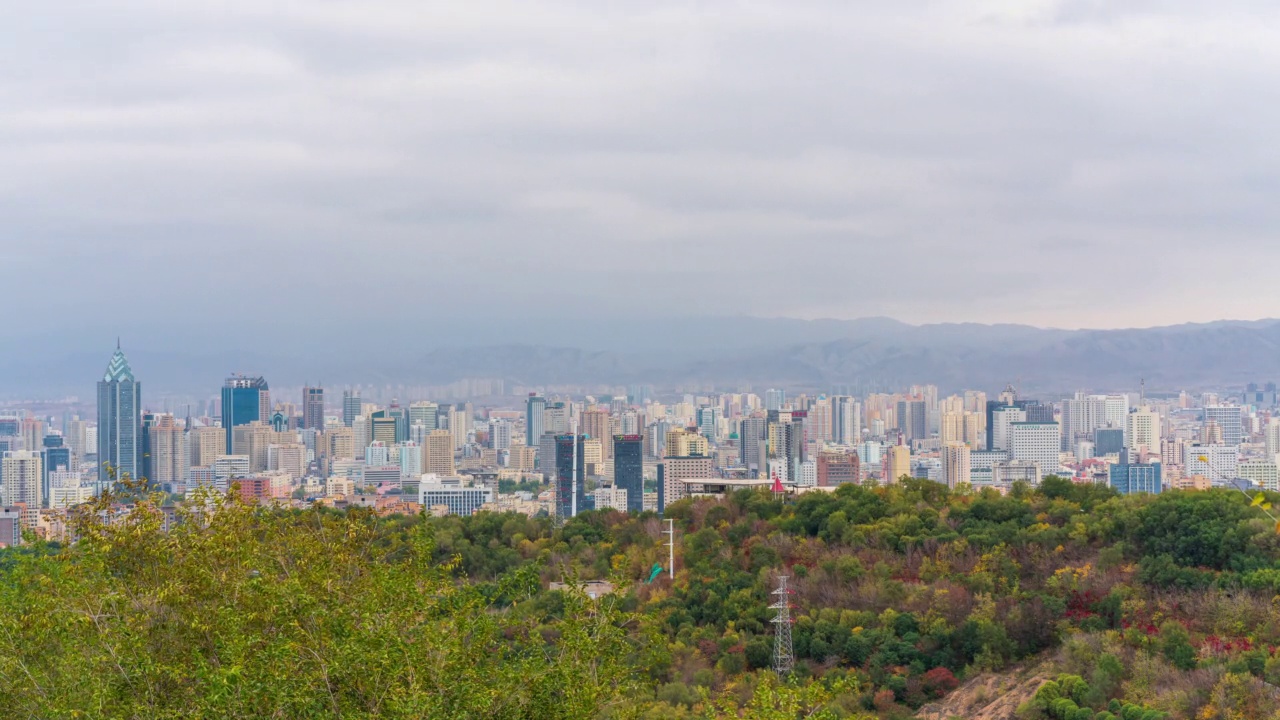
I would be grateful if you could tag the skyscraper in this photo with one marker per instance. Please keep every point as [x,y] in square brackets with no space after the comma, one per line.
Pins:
[1036,442]
[437,453]
[1228,418]
[628,469]
[956,466]
[244,400]
[350,406]
[571,490]
[168,449]
[23,473]
[119,421]
[312,408]
[533,419]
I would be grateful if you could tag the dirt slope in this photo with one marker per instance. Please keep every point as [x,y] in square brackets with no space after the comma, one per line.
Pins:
[988,696]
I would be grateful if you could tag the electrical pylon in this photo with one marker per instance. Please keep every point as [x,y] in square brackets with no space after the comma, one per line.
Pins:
[784,656]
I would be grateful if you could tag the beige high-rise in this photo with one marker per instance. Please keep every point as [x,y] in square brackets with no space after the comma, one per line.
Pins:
[685,443]
[22,470]
[437,453]
[955,464]
[205,445]
[897,463]
[168,452]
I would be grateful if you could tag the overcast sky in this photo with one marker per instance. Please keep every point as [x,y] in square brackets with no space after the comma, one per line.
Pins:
[1054,162]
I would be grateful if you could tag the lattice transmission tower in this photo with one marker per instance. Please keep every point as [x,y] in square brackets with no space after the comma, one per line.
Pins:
[784,656]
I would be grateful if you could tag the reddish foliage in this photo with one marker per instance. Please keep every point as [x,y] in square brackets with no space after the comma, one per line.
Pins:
[939,681]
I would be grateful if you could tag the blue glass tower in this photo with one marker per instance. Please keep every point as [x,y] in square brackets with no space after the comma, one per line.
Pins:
[244,400]
[119,422]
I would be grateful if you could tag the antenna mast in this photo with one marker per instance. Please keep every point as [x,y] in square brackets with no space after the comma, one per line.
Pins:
[573,492]
[670,532]
[784,657]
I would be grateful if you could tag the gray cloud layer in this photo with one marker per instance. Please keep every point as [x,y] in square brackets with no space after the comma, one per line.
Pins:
[1067,162]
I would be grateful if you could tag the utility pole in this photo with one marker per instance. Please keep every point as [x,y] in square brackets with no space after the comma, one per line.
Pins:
[670,532]
[784,657]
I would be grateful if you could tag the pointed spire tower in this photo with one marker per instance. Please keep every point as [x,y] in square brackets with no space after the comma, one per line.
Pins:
[119,422]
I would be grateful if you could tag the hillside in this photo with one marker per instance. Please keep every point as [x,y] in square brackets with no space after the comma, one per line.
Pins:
[1066,602]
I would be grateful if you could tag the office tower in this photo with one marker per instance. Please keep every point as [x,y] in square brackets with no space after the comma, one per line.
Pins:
[897,463]
[686,442]
[351,406]
[950,427]
[1219,463]
[972,430]
[426,414]
[244,400]
[411,461]
[32,434]
[846,420]
[786,448]
[774,399]
[1036,442]
[1142,430]
[913,419]
[820,422]
[205,445]
[956,467]
[376,455]
[168,447]
[555,419]
[500,434]
[674,471]
[77,434]
[338,444]
[1261,472]
[460,426]
[1001,421]
[753,436]
[1228,417]
[23,473]
[837,468]
[597,424]
[628,469]
[1128,479]
[289,458]
[1081,416]
[547,454]
[312,408]
[570,484]
[1108,441]
[437,454]
[1272,437]
[534,421]
[708,421]
[119,422]
[382,428]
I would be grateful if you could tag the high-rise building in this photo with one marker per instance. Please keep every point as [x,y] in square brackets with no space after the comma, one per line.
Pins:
[1128,479]
[426,414]
[32,434]
[351,406]
[837,468]
[570,478]
[119,422]
[1036,442]
[913,419]
[77,434]
[1142,430]
[753,438]
[672,473]
[168,448]
[312,408]
[897,463]
[628,469]
[534,420]
[686,442]
[1228,418]
[23,473]
[244,400]
[956,468]
[1002,418]
[499,434]
[1108,441]
[437,454]
[596,424]
[774,399]
[846,420]
[382,428]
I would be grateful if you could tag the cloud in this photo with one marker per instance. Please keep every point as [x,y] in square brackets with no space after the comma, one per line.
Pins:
[1064,162]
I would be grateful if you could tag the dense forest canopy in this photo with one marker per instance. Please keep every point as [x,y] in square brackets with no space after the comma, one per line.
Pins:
[1130,607]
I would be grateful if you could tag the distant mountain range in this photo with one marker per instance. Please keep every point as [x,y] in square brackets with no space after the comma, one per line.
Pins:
[725,352]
